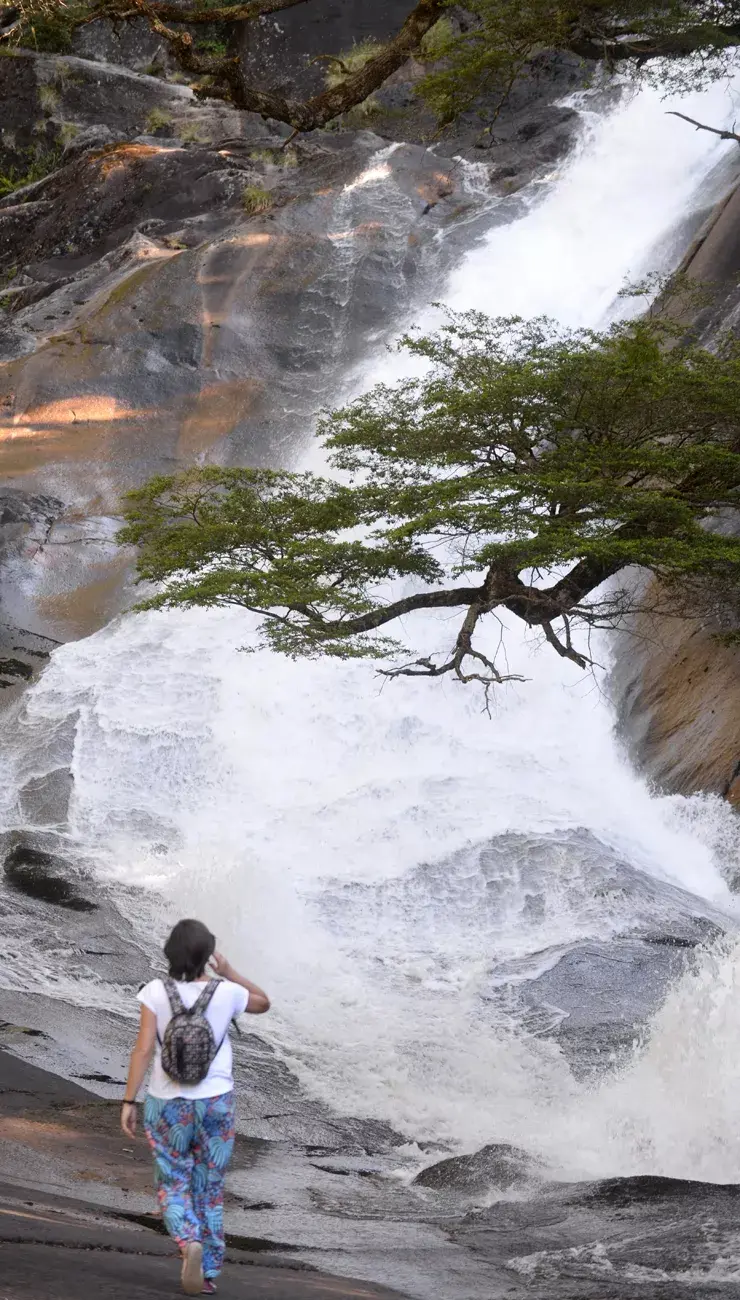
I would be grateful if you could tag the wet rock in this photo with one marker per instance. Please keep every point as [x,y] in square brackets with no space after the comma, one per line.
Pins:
[592,995]
[44,800]
[620,1239]
[498,1165]
[45,877]
[25,518]
[14,668]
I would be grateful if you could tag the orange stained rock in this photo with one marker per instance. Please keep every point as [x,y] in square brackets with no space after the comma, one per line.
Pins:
[39,421]
[219,408]
[79,611]
[77,427]
[254,239]
[365,228]
[117,158]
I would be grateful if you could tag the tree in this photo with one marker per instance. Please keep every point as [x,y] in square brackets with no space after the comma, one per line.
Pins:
[486,51]
[523,469]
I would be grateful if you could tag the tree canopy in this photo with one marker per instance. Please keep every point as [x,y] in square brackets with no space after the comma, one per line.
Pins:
[524,467]
[482,48]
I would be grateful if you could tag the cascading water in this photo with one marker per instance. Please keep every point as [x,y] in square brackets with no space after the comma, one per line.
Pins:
[392,862]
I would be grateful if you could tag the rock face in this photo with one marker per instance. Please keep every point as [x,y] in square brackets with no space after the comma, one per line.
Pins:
[619,1239]
[284,47]
[677,688]
[497,1166]
[630,935]
[178,286]
[529,130]
[676,681]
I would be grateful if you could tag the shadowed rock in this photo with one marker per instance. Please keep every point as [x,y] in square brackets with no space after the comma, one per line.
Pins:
[45,877]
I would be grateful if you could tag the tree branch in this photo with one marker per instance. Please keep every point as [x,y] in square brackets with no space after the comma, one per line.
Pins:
[452,598]
[613,47]
[723,135]
[463,650]
[176,14]
[565,651]
[308,115]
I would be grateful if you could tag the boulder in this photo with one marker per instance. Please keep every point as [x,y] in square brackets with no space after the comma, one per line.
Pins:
[497,1165]
[46,877]
[91,137]
[630,1238]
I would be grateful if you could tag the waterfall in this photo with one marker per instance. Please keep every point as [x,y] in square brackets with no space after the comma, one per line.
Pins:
[389,861]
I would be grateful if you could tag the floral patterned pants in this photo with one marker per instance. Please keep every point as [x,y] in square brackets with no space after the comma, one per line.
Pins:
[192,1142]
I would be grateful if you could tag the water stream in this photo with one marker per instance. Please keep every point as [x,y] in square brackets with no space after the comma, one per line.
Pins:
[391,862]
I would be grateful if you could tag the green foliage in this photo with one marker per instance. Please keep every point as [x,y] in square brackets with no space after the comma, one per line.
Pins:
[342,67]
[438,42]
[47,25]
[68,131]
[697,37]
[256,200]
[280,157]
[51,35]
[345,64]
[48,98]
[192,133]
[38,164]
[213,45]
[157,120]
[524,449]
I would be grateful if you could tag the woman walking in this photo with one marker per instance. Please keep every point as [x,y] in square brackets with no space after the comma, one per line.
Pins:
[189,1110]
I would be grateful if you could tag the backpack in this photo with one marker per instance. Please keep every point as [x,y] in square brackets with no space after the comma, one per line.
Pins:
[188,1046]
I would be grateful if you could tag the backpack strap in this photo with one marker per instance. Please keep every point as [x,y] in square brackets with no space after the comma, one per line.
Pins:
[201,1005]
[173,996]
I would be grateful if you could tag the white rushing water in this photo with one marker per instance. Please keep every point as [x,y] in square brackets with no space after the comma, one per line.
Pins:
[291,804]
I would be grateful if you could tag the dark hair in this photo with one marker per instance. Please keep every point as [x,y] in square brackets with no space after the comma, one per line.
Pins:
[189,949]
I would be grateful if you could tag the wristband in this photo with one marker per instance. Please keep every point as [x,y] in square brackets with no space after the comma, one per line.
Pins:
[129,1103]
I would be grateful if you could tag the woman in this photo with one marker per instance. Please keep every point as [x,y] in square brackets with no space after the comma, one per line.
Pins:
[190,1126]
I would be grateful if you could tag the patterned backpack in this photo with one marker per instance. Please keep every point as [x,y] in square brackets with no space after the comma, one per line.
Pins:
[188,1046]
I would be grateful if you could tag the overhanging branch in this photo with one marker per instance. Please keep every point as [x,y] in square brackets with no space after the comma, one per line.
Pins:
[226,14]
[614,47]
[228,79]
[700,126]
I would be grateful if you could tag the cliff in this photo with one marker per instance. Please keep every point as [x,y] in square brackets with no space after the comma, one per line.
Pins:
[174,284]
[676,681]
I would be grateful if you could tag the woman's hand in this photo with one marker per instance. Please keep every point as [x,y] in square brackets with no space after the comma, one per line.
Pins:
[129,1116]
[258,999]
[220,966]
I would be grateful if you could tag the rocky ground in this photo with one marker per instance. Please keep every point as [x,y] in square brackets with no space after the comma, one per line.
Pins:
[347,1194]
[75,1193]
[56,1246]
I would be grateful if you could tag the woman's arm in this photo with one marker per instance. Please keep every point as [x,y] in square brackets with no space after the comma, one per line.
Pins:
[141,1058]
[258,1000]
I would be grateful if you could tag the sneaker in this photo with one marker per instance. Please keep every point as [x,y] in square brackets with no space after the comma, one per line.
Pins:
[209,1287]
[192,1269]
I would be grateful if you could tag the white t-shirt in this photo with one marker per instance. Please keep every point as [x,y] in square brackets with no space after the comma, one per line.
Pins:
[228,1001]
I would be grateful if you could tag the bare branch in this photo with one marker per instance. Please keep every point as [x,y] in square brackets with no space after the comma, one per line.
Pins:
[176,14]
[565,651]
[723,135]
[463,651]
